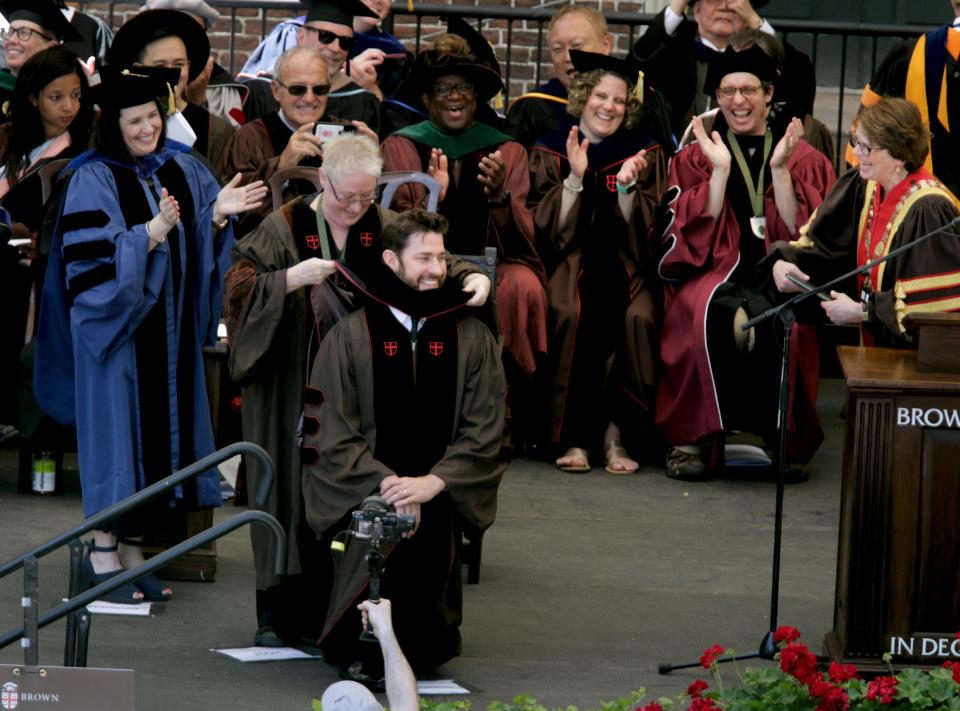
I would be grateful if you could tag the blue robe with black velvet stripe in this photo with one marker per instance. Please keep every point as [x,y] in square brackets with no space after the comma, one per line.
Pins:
[121,329]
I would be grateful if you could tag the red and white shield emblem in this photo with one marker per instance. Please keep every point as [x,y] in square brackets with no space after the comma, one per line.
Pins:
[390,348]
[612,183]
[436,348]
[9,696]
[313,241]
[366,238]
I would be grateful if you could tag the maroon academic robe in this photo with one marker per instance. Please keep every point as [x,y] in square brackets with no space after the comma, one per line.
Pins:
[701,253]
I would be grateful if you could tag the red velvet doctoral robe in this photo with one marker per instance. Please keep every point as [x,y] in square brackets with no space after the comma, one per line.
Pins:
[701,253]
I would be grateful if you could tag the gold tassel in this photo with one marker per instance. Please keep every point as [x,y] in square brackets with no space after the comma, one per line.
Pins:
[409,5]
[638,89]
[172,101]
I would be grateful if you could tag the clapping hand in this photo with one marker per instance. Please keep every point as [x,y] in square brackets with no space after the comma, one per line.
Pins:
[577,153]
[437,169]
[712,146]
[169,210]
[787,145]
[631,169]
[493,172]
[232,200]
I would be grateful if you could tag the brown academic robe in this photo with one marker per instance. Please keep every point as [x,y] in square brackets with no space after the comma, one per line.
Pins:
[268,331]
[521,300]
[343,471]
[624,312]
[213,136]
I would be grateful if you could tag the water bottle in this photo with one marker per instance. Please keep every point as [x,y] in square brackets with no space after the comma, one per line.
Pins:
[44,474]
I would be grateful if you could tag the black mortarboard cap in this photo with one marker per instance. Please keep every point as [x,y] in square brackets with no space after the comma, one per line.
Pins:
[340,12]
[151,25]
[589,61]
[45,13]
[479,45]
[752,60]
[124,86]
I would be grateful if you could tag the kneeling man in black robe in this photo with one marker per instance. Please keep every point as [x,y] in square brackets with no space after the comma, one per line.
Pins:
[405,401]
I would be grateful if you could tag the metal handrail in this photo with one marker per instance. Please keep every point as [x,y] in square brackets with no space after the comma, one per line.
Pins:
[156,562]
[97,520]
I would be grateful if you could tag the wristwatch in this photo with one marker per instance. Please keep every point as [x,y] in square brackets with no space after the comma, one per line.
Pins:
[221,223]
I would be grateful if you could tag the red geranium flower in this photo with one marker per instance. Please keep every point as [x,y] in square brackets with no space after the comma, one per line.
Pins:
[797,661]
[702,704]
[829,697]
[697,688]
[883,688]
[786,634]
[955,668]
[710,656]
[840,673]
[650,707]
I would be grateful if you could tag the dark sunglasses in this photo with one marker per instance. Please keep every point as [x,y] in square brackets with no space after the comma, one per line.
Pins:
[301,89]
[328,37]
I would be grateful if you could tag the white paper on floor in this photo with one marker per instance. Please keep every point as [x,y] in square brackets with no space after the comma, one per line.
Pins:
[440,687]
[102,607]
[264,654]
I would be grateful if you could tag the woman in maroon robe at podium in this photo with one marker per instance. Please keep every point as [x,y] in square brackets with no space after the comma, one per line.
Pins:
[889,200]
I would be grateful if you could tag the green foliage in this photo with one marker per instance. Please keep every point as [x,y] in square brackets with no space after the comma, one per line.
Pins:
[796,684]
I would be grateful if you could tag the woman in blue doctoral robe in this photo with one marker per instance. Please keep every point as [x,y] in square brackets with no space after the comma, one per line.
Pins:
[133,292]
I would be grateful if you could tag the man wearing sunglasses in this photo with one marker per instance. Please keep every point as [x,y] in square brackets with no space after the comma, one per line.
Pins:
[284,138]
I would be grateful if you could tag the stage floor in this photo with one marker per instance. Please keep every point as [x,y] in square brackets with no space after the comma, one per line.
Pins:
[588,582]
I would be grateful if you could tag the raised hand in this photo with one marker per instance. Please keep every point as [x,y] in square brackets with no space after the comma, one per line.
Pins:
[437,169]
[365,130]
[493,172]
[787,145]
[745,11]
[232,200]
[712,146]
[363,69]
[577,153]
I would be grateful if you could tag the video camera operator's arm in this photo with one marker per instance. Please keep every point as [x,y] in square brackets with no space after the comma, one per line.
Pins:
[400,682]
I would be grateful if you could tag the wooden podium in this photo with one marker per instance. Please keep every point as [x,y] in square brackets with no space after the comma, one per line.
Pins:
[898,566]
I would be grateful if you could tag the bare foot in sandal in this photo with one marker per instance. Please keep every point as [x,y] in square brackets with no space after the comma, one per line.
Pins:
[575,459]
[616,459]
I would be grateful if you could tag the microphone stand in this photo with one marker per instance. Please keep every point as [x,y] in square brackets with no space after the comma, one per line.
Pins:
[785,311]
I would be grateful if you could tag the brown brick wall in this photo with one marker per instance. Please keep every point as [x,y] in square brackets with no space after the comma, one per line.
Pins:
[249,23]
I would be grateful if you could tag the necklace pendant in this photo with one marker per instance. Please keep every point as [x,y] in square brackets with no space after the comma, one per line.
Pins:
[758,225]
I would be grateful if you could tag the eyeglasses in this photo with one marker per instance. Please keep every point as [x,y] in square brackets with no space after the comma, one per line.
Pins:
[23,34]
[863,147]
[328,37]
[465,88]
[351,199]
[301,89]
[747,92]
